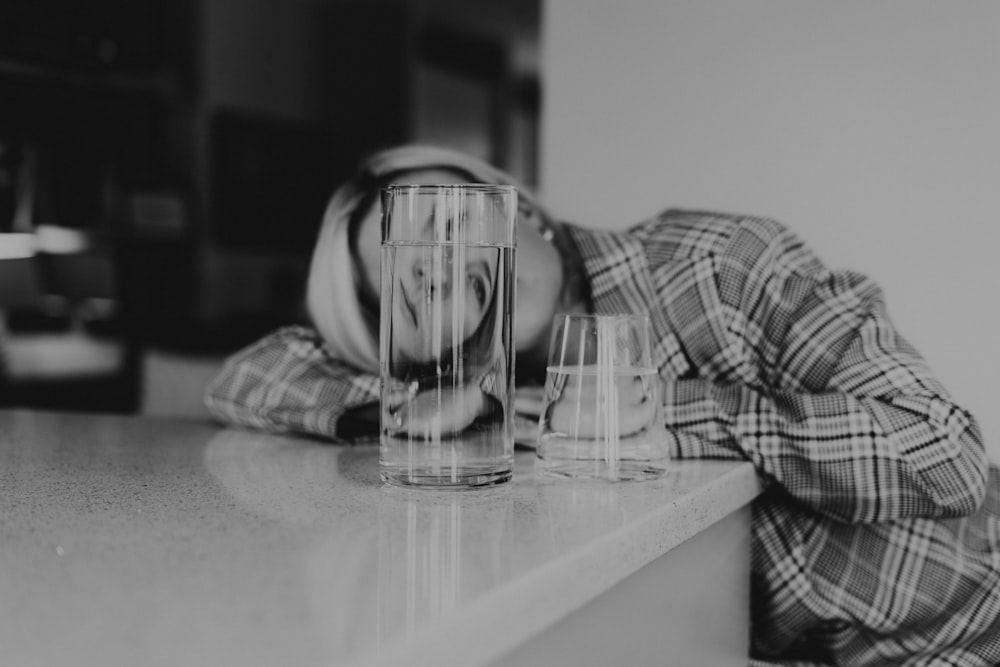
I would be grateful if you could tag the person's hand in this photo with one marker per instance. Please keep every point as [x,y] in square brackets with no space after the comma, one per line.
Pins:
[577,411]
[429,412]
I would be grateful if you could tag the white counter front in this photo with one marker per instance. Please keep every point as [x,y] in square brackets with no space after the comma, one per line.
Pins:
[137,541]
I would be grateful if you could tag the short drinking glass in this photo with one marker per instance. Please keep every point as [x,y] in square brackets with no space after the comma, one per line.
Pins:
[602,417]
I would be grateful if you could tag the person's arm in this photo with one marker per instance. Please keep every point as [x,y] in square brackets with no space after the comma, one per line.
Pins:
[288,382]
[451,405]
[841,411]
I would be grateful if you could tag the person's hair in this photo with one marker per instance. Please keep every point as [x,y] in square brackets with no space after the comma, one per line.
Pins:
[337,290]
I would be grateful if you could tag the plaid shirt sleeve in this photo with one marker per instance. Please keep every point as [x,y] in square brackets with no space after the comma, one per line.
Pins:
[768,355]
[288,382]
[801,370]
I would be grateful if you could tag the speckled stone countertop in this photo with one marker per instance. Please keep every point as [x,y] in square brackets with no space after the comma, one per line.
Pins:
[138,541]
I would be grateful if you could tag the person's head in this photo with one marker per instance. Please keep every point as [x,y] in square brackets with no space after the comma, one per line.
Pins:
[342,293]
[445,297]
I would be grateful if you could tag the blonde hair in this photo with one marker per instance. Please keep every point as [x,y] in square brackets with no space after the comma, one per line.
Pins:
[332,292]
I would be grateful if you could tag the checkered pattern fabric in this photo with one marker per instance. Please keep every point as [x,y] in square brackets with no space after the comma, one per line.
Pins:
[877,541]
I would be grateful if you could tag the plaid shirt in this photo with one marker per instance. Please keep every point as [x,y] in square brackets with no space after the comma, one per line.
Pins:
[872,544]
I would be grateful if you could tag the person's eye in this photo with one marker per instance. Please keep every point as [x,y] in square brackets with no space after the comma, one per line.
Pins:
[479,288]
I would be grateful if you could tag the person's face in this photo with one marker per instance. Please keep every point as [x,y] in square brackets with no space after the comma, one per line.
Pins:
[539,278]
[441,296]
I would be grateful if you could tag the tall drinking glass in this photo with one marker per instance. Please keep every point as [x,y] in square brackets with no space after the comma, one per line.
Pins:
[446,335]
[602,417]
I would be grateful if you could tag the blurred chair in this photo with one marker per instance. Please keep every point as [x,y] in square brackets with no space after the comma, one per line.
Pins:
[19,286]
[76,265]
[53,294]
[18,272]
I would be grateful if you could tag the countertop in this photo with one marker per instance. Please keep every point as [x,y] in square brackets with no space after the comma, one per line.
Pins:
[143,541]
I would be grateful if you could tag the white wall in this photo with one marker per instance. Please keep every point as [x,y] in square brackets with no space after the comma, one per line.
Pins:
[871,128]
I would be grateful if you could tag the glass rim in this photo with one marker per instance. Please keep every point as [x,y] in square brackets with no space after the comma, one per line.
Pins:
[426,188]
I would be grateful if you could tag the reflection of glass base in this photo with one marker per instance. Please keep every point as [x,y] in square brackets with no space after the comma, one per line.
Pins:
[598,469]
[441,479]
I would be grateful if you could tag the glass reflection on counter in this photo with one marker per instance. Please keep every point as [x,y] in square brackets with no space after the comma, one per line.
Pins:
[432,555]
[579,511]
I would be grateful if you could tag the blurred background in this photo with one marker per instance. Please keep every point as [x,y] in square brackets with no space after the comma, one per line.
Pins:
[171,159]
[164,163]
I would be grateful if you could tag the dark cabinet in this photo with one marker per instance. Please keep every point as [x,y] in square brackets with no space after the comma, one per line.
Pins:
[97,116]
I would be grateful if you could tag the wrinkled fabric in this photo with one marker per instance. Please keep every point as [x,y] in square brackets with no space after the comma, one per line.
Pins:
[877,540]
